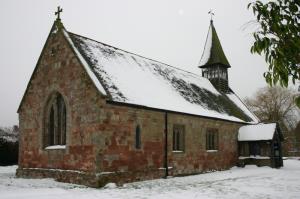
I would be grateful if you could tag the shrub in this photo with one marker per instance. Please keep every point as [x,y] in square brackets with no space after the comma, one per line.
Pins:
[9,146]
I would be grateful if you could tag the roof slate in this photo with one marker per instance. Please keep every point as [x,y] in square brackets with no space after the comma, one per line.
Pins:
[134,79]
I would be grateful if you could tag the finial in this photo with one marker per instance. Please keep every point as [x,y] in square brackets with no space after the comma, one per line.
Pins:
[211,15]
[59,10]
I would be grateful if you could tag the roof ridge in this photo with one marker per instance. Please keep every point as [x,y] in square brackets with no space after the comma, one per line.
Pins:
[116,48]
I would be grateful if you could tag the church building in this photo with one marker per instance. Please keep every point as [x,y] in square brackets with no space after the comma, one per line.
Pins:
[93,113]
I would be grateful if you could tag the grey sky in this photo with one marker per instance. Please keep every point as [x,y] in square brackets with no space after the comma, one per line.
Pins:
[170,31]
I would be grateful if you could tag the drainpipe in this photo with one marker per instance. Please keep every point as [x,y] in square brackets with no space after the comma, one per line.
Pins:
[166,146]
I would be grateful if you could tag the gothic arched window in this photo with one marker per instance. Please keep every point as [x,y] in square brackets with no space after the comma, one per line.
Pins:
[138,137]
[56,121]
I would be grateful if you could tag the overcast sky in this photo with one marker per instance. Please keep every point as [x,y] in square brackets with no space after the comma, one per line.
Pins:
[170,31]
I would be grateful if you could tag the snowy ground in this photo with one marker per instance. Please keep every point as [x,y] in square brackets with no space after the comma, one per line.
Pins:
[248,182]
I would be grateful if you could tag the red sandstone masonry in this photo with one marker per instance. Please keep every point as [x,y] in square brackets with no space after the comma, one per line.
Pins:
[100,136]
[62,73]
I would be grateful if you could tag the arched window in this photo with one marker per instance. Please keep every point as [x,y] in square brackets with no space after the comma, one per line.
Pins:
[138,137]
[56,121]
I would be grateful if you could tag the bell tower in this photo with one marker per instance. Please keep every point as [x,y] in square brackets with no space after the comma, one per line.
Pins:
[214,63]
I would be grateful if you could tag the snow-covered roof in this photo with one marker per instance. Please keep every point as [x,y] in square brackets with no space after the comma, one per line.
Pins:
[207,48]
[133,79]
[257,132]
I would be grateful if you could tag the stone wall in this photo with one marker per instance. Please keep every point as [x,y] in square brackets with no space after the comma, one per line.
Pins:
[58,70]
[121,155]
[255,161]
[101,135]
[195,158]
[89,179]
[118,152]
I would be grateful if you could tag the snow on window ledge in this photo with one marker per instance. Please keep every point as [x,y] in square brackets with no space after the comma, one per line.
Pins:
[254,157]
[211,151]
[55,147]
[178,151]
[104,173]
[163,168]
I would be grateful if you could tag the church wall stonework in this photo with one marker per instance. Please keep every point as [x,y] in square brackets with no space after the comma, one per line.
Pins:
[195,158]
[120,153]
[59,70]
[101,136]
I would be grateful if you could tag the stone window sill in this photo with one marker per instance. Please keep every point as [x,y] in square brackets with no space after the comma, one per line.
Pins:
[178,151]
[254,157]
[56,147]
[211,151]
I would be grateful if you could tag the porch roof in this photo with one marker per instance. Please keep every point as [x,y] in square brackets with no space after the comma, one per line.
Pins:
[257,132]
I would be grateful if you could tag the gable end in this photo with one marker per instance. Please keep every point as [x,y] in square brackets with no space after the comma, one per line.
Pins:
[57,28]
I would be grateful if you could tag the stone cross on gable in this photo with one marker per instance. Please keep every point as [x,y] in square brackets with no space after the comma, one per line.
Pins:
[59,10]
[211,14]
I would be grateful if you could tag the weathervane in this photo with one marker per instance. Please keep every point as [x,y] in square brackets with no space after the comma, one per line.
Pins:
[211,14]
[59,10]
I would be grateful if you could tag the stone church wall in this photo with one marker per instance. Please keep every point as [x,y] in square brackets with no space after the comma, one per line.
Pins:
[121,155]
[195,158]
[58,70]
[101,136]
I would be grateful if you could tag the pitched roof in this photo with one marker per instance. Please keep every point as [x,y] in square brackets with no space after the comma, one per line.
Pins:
[133,79]
[257,132]
[213,52]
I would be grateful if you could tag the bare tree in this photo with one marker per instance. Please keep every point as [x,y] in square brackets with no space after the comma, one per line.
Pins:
[275,104]
[10,134]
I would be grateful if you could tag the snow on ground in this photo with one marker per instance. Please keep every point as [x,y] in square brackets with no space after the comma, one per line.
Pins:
[248,182]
